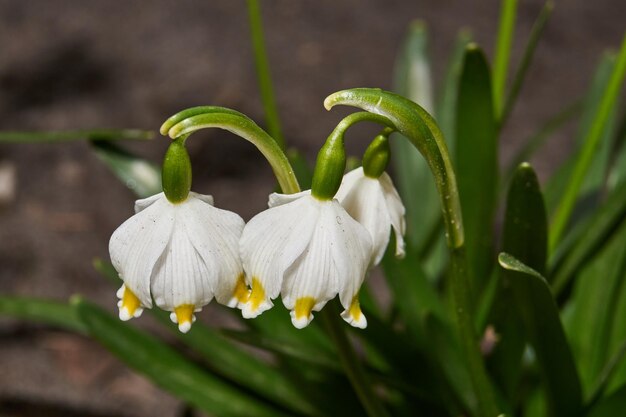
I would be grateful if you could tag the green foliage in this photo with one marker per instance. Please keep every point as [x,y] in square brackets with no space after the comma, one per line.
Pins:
[549,313]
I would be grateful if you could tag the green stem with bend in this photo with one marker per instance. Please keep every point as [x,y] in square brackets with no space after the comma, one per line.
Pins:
[420,128]
[193,119]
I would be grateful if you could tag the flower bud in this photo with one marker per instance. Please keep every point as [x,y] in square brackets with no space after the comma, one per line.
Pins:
[376,156]
[176,177]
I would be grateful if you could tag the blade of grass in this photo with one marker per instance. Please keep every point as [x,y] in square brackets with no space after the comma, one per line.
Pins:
[611,406]
[503,51]
[263,72]
[72,135]
[53,313]
[593,137]
[544,329]
[527,57]
[167,368]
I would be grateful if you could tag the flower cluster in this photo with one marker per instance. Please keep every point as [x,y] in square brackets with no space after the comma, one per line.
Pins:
[181,251]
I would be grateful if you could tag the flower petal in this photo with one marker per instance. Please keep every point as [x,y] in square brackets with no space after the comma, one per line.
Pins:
[215,235]
[271,241]
[202,197]
[181,277]
[313,279]
[365,202]
[396,211]
[136,246]
[277,199]
[144,203]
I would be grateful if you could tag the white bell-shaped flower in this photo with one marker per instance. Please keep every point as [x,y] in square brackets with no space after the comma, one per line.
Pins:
[308,250]
[375,203]
[179,254]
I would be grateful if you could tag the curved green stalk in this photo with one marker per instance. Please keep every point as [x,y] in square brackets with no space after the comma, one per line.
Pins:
[421,129]
[194,119]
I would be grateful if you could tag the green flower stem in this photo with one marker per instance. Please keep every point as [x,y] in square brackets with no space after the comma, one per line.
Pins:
[72,135]
[503,52]
[263,72]
[192,120]
[421,129]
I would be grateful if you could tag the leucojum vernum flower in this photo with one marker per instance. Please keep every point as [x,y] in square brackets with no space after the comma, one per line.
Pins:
[179,251]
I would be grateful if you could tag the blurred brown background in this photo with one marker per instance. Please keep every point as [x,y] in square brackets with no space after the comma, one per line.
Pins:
[86,64]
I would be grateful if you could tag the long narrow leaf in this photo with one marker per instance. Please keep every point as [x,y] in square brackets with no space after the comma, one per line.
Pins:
[503,51]
[476,161]
[527,58]
[545,332]
[72,135]
[566,206]
[167,368]
[525,237]
[53,313]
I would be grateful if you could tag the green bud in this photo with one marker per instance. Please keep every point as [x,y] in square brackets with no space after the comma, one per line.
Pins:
[176,177]
[376,156]
[329,168]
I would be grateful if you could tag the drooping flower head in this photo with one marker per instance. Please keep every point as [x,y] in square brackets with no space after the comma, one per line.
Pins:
[178,249]
[306,248]
[369,196]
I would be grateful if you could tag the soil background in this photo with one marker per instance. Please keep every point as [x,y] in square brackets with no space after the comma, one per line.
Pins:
[112,64]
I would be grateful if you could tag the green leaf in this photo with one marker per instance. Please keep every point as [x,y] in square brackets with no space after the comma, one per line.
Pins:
[301,168]
[527,57]
[476,162]
[525,237]
[503,51]
[592,237]
[589,149]
[142,177]
[611,406]
[545,332]
[167,368]
[413,80]
[594,303]
[228,359]
[53,313]
[72,135]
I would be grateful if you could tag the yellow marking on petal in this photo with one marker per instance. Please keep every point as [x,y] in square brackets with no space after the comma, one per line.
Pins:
[241,291]
[130,302]
[257,295]
[303,307]
[184,313]
[355,308]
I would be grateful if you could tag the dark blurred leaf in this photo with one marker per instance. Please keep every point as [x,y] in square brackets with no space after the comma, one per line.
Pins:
[611,406]
[583,170]
[413,80]
[301,168]
[49,312]
[527,57]
[596,232]
[94,134]
[167,368]
[593,307]
[476,162]
[230,361]
[525,237]
[142,177]
[545,332]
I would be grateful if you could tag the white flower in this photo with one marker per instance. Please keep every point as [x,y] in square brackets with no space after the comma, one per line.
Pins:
[182,255]
[375,203]
[309,251]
